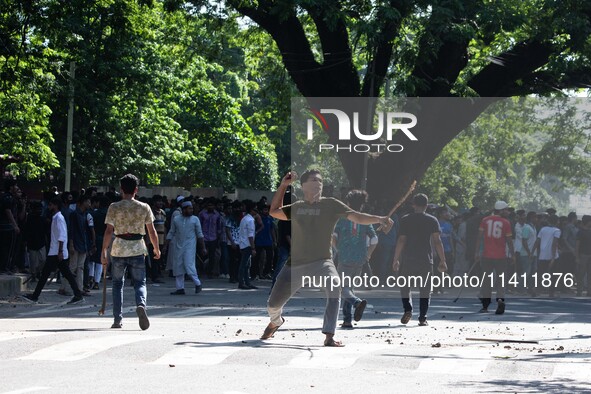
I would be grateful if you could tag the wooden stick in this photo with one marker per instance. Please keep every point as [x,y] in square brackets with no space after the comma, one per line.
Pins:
[501,340]
[386,229]
[104,304]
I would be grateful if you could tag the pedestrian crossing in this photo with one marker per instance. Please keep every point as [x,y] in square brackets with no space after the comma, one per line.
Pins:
[461,361]
[198,355]
[287,352]
[83,348]
[334,358]
[223,337]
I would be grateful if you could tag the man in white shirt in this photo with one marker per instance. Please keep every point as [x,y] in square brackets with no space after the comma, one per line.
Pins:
[547,247]
[57,257]
[527,257]
[247,247]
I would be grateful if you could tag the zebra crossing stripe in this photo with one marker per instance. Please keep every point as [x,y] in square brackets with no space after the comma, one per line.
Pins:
[461,361]
[10,335]
[334,358]
[196,354]
[83,348]
[190,312]
[28,390]
[575,370]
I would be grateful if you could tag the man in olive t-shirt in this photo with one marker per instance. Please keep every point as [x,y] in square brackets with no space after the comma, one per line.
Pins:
[313,221]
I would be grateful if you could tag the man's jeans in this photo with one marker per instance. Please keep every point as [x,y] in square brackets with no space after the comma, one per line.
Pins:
[525,267]
[51,264]
[348,296]
[583,274]
[77,260]
[244,270]
[224,259]
[211,247]
[283,256]
[138,274]
[8,239]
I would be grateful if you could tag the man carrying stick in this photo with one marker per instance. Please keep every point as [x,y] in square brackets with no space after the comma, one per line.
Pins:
[313,220]
[129,219]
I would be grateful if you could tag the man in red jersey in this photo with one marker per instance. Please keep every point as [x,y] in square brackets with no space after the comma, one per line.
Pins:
[495,232]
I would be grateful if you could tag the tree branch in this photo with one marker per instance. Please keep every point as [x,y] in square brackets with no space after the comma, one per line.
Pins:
[544,82]
[288,33]
[499,78]
[334,38]
[384,46]
[443,54]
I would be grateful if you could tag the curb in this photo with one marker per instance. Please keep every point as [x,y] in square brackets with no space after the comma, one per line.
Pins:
[12,285]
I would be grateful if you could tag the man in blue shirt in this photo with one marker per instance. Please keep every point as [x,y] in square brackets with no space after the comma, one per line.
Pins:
[265,240]
[352,241]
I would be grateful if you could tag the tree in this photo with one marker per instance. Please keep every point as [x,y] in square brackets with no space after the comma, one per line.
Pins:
[146,99]
[507,152]
[437,48]
[25,77]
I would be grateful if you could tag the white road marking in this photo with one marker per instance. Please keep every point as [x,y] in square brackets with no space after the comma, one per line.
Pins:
[334,358]
[27,390]
[83,348]
[461,361]
[10,335]
[573,370]
[209,354]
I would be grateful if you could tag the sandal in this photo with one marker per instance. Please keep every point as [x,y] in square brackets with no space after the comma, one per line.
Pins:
[271,329]
[332,343]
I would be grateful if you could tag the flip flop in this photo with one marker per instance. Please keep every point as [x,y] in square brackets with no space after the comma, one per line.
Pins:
[333,343]
[271,329]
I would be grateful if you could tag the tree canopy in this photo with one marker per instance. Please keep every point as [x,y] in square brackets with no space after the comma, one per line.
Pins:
[436,48]
[198,93]
[151,95]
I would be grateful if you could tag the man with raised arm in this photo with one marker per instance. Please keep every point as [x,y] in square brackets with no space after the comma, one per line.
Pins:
[313,220]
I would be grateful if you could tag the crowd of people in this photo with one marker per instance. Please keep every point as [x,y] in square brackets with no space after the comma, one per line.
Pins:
[218,250]
[246,241]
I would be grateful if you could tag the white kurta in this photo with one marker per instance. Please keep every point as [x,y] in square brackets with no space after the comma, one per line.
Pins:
[170,256]
[183,235]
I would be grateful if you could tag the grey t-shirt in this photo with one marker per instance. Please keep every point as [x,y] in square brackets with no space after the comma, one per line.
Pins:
[312,226]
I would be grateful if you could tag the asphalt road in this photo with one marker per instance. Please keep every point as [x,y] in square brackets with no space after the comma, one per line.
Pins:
[209,343]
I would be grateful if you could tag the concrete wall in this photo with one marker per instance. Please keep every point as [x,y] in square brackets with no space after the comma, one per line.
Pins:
[171,192]
[249,194]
